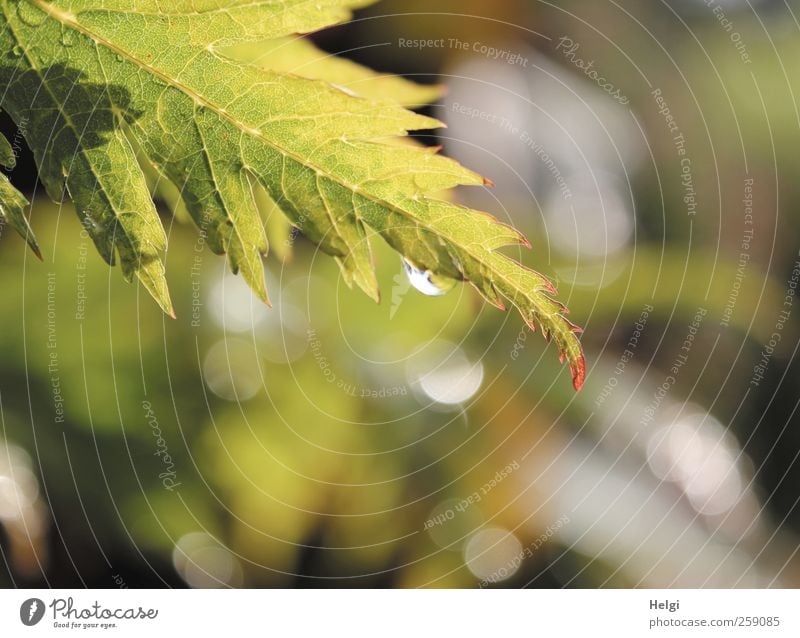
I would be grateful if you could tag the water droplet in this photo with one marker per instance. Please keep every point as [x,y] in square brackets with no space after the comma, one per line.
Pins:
[427,282]
[30,15]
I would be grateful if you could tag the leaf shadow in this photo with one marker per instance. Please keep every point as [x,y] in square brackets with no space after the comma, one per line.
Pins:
[63,116]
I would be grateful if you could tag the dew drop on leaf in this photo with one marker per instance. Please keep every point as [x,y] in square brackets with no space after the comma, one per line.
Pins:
[30,15]
[426,282]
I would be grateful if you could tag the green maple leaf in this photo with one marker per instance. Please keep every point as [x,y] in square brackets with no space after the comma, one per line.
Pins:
[107,91]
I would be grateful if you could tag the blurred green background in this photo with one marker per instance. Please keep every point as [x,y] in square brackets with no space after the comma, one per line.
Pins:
[431,441]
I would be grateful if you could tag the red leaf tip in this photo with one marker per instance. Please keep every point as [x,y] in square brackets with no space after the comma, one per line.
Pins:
[578,373]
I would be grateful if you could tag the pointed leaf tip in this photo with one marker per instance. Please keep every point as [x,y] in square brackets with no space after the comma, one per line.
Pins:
[578,369]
